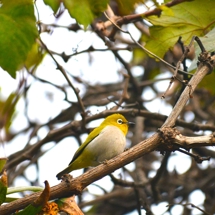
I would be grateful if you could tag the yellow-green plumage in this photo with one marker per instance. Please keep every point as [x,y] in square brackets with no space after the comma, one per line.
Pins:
[103,143]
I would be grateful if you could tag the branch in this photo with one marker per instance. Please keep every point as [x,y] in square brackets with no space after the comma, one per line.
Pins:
[158,176]
[202,70]
[142,47]
[69,129]
[125,94]
[76,91]
[136,17]
[173,136]
[192,205]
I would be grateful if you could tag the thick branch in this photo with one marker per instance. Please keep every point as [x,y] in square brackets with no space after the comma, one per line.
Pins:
[76,185]
[201,72]
[175,137]
[192,142]
[53,135]
[137,17]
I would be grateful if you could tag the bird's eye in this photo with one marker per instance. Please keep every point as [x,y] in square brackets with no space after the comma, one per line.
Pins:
[119,121]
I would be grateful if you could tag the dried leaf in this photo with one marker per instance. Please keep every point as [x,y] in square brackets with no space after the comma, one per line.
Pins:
[3,187]
[44,197]
[38,204]
[51,208]
[69,205]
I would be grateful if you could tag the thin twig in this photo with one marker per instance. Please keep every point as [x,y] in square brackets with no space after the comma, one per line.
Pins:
[76,91]
[196,157]
[124,93]
[192,205]
[177,68]
[142,47]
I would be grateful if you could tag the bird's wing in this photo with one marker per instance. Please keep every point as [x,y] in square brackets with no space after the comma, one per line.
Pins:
[93,134]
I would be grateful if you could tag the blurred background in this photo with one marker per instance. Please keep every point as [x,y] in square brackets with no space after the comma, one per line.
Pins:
[40,99]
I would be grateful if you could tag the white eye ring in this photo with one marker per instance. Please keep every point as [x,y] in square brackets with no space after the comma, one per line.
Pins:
[119,121]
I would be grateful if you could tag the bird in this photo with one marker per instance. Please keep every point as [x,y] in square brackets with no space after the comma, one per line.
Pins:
[103,143]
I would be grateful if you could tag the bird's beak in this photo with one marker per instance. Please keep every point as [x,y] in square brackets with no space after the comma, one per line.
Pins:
[130,123]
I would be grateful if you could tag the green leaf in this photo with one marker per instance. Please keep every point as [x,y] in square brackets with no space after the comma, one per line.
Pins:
[11,190]
[209,44]
[84,11]
[138,55]
[3,191]
[208,83]
[17,33]
[168,11]
[186,20]
[54,4]
[7,110]
[35,56]
[127,6]
[3,187]
[30,210]
[36,206]
[2,163]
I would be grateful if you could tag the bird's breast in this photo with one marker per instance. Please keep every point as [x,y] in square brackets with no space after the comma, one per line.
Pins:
[109,143]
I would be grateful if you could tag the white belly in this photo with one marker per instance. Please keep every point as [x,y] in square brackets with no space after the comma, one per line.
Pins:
[108,147]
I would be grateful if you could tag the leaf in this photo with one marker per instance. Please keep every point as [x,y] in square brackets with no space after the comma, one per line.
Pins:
[44,197]
[11,190]
[38,204]
[17,33]
[51,208]
[69,205]
[209,44]
[35,56]
[84,11]
[127,6]
[208,83]
[54,4]
[168,11]
[30,210]
[186,20]
[7,110]
[2,163]
[138,55]
[3,187]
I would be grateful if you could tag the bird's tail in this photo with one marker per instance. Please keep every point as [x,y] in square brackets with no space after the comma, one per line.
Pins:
[65,171]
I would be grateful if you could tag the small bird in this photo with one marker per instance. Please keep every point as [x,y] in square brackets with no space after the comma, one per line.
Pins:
[103,143]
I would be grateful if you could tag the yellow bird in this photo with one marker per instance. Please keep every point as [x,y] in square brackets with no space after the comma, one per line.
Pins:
[103,143]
